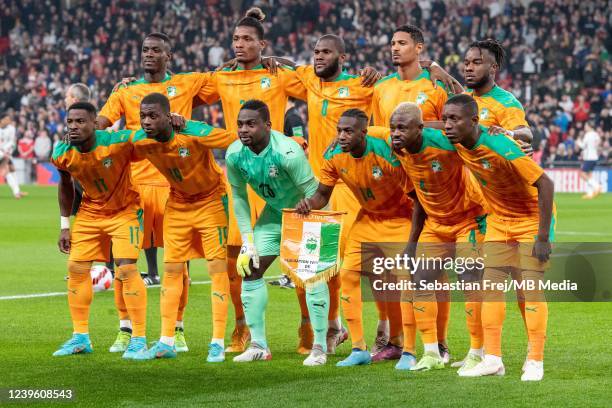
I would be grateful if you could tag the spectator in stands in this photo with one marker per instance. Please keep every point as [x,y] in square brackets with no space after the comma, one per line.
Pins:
[42,146]
[25,146]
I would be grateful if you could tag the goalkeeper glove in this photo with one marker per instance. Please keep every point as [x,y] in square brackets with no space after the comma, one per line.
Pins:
[247,252]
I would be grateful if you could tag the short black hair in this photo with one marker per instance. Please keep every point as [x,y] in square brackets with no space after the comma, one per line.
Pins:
[338,42]
[253,18]
[466,102]
[415,32]
[357,114]
[494,47]
[160,36]
[260,107]
[83,106]
[156,98]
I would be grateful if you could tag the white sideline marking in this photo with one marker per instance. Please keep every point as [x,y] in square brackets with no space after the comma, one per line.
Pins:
[51,294]
[595,234]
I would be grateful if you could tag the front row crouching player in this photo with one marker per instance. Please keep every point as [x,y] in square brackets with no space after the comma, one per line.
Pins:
[278,171]
[520,201]
[374,175]
[448,221]
[109,212]
[195,219]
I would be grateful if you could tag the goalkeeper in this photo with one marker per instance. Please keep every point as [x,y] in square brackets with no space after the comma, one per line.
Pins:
[276,168]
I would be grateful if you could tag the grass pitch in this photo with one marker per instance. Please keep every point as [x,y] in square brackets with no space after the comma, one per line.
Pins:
[578,364]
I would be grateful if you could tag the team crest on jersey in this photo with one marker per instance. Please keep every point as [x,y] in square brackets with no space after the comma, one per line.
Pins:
[436,166]
[107,162]
[265,83]
[421,98]
[484,113]
[343,92]
[377,172]
[272,171]
[183,152]
[171,90]
[485,164]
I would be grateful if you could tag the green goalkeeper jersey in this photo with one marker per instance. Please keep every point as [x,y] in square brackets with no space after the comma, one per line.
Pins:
[280,174]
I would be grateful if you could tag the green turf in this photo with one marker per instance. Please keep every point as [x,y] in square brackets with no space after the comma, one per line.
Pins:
[577,359]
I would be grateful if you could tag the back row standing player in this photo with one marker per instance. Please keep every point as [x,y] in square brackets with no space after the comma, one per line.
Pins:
[153,188]
[8,140]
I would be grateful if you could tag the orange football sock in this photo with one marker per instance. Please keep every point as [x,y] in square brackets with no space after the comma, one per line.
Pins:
[171,290]
[536,317]
[520,295]
[135,297]
[409,326]
[425,315]
[352,306]
[334,297]
[184,296]
[119,302]
[473,318]
[381,307]
[493,312]
[444,305]
[219,293]
[80,294]
[235,282]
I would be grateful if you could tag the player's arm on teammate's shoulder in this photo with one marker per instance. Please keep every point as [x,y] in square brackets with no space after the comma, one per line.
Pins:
[546,192]
[65,196]
[437,73]
[317,201]
[369,76]
[521,134]
[210,136]
[123,83]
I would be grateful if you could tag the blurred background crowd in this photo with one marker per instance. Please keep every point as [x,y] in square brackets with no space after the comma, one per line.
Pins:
[558,62]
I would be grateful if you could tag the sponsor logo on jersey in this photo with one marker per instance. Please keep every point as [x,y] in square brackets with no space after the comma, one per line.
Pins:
[421,98]
[265,83]
[484,113]
[377,172]
[273,171]
[171,90]
[183,152]
[343,92]
[436,166]
[107,162]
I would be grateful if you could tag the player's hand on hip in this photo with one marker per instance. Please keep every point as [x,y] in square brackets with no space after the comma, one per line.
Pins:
[542,250]
[178,121]
[248,254]
[64,241]
[303,206]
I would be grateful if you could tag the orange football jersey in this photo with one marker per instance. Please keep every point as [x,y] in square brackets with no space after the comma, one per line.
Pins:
[103,172]
[390,91]
[187,161]
[506,176]
[179,88]
[499,107]
[326,103]
[376,179]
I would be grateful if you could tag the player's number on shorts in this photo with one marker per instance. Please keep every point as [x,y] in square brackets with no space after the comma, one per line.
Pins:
[176,174]
[135,235]
[266,190]
[367,194]
[101,185]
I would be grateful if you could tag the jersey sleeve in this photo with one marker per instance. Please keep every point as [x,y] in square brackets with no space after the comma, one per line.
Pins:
[210,136]
[527,169]
[512,118]
[292,84]
[206,87]
[440,99]
[113,108]
[377,114]
[329,175]
[301,173]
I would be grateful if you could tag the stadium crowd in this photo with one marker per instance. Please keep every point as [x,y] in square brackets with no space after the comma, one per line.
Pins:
[558,53]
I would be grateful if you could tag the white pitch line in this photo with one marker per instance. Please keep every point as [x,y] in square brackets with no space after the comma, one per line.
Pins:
[51,294]
[595,234]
